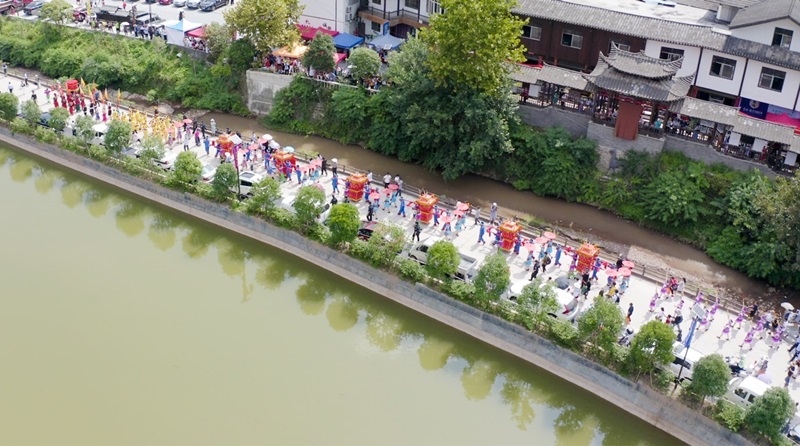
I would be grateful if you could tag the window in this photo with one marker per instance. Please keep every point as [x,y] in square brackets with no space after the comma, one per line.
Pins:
[722,67]
[572,39]
[434,7]
[532,32]
[376,27]
[782,37]
[376,2]
[771,79]
[670,53]
[413,4]
[623,45]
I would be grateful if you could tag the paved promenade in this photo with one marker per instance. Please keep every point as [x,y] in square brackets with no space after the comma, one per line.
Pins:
[639,293]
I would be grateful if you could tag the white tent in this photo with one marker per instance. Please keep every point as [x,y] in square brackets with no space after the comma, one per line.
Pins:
[176,31]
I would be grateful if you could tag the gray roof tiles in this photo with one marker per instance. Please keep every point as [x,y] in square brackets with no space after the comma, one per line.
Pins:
[606,77]
[640,64]
[767,11]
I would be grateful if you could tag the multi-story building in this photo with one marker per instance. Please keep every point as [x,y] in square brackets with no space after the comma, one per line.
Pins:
[737,55]
[397,17]
[335,15]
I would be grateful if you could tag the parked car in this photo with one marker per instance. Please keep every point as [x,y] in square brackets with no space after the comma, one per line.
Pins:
[687,358]
[467,266]
[179,3]
[166,162]
[147,19]
[192,4]
[208,172]
[113,14]
[744,391]
[366,229]
[79,14]
[210,5]
[247,180]
[33,8]
[165,2]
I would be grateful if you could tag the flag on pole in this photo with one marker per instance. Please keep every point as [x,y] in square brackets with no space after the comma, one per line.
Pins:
[688,341]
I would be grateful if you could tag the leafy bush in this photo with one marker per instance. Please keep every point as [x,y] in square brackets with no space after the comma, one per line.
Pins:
[21,126]
[412,270]
[343,221]
[662,379]
[9,104]
[651,347]
[564,333]
[493,278]
[308,205]
[442,259]
[729,415]
[283,218]
[458,289]
[770,412]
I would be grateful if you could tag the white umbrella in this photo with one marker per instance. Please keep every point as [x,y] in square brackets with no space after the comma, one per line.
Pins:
[267,137]
[235,139]
[787,306]
[334,160]
[274,145]
[288,149]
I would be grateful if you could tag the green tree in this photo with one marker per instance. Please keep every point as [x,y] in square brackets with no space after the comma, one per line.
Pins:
[9,104]
[343,221]
[218,39]
[781,213]
[308,205]
[83,129]
[267,24]
[601,324]
[31,112]
[385,244]
[493,277]
[320,53]
[58,118]
[651,347]
[673,200]
[57,11]
[536,301]
[152,149]
[770,412]
[407,63]
[474,45]
[442,259]
[118,136]
[365,62]
[265,194]
[710,376]
[187,168]
[225,179]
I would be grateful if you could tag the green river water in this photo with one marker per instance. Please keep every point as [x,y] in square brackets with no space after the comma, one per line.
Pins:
[125,324]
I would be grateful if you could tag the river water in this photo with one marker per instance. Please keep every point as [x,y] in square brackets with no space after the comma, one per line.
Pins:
[126,324]
[482,191]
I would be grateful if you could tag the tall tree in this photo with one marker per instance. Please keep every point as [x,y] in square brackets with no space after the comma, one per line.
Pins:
[442,259]
[710,376]
[187,168]
[118,136]
[651,347]
[9,104]
[320,53]
[57,11]
[493,277]
[474,44]
[770,412]
[218,38]
[366,63]
[267,23]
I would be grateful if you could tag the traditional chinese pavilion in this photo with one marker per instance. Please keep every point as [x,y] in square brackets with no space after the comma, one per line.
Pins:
[634,89]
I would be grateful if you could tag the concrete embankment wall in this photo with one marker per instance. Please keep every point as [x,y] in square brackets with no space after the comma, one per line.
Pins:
[637,399]
[262,86]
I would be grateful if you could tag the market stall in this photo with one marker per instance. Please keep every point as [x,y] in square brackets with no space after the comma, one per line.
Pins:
[295,52]
[345,41]
[177,31]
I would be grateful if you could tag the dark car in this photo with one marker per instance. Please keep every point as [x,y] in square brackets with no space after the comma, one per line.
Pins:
[366,229]
[45,119]
[210,5]
[33,8]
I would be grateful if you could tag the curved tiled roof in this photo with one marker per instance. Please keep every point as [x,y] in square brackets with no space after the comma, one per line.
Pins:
[640,64]
[605,77]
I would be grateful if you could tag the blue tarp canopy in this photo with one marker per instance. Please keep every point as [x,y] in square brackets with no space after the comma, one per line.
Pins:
[386,42]
[346,41]
[184,26]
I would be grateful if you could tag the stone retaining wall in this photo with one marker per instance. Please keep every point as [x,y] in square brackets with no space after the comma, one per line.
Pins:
[262,86]
[635,398]
[701,151]
[545,117]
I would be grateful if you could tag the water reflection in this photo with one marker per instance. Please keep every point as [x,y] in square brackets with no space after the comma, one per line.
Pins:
[485,374]
[22,169]
[130,217]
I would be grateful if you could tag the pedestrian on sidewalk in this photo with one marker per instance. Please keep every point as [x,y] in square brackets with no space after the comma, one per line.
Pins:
[476,212]
[386,180]
[25,80]
[335,183]
[529,261]
[417,231]
[334,166]
[213,125]
[370,208]
[402,211]
[535,271]
[481,232]
[206,144]
[186,142]
[5,69]
[324,166]
[546,261]
[558,255]
[197,138]
[36,79]
[517,245]
[630,313]
[10,88]
[493,213]
[435,216]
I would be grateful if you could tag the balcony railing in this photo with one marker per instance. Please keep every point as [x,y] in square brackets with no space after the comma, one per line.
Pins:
[392,15]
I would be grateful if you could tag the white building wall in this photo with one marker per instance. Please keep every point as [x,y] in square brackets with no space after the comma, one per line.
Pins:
[784,98]
[691,55]
[764,32]
[706,80]
[330,14]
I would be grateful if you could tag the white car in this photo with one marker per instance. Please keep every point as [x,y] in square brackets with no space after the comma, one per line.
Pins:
[179,3]
[208,172]
[247,180]
[166,162]
[193,4]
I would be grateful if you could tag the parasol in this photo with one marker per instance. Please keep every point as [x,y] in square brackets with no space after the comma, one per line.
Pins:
[628,263]
[253,147]
[288,149]
[274,145]
[447,219]
[319,186]
[529,246]
[187,121]
[267,137]
[334,160]
[611,273]
[624,272]
[458,213]
[787,306]
[540,240]
[550,235]
[316,162]
[393,186]
[374,196]
[303,168]
[462,207]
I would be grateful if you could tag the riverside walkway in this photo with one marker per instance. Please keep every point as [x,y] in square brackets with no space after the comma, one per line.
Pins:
[639,293]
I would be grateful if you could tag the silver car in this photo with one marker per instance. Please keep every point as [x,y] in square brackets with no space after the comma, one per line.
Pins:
[193,4]
[179,3]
